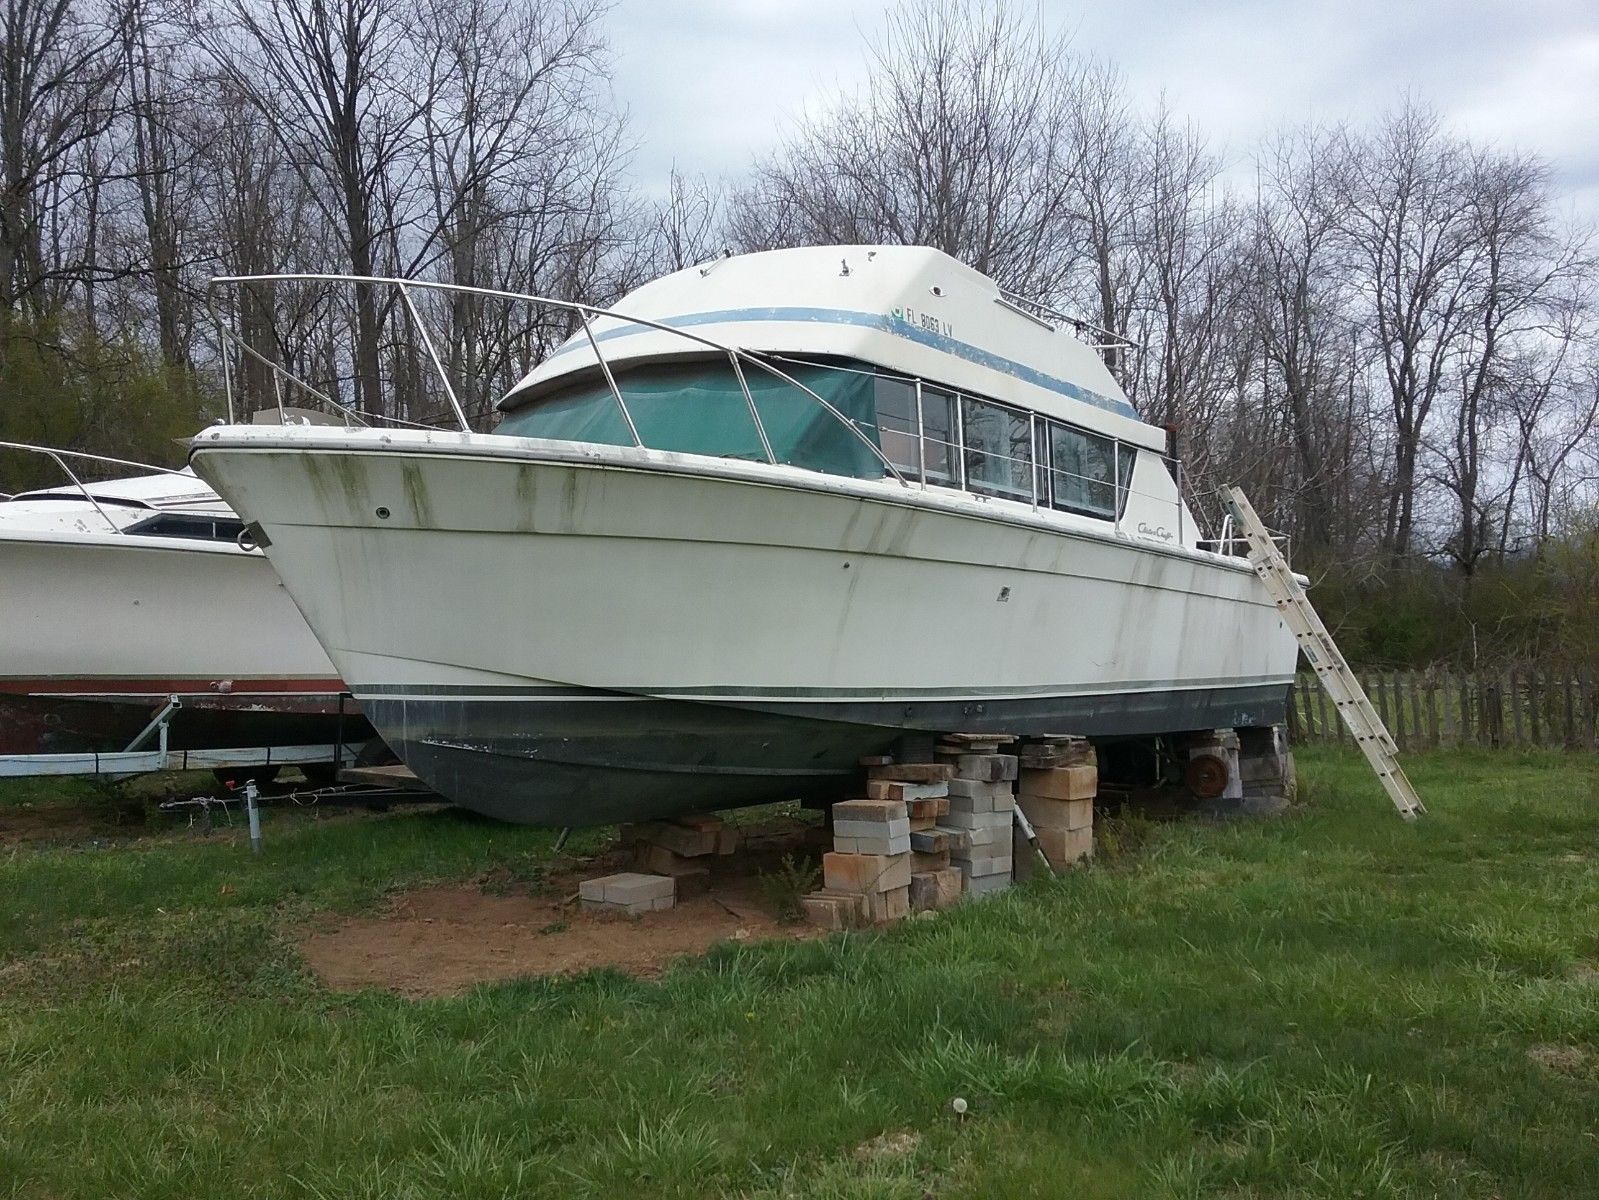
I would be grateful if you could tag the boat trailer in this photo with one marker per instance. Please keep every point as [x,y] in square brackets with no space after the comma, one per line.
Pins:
[151,751]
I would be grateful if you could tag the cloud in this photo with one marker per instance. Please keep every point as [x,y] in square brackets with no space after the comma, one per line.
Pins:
[712,86]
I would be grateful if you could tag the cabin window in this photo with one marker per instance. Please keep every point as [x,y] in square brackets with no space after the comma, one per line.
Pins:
[1082,474]
[999,450]
[939,431]
[896,424]
[700,408]
[189,525]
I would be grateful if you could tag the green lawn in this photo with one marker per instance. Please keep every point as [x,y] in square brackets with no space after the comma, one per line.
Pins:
[1331,1004]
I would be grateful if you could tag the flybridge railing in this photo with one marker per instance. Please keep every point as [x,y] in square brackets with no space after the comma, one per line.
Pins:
[1104,339]
[738,358]
[59,457]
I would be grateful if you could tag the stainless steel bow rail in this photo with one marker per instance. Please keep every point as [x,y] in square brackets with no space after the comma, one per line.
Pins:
[1366,726]
[586,313]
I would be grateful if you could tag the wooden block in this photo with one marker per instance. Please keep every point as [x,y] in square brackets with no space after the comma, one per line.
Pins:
[693,878]
[1046,813]
[930,841]
[1060,783]
[679,839]
[920,823]
[1063,847]
[878,811]
[986,768]
[875,760]
[928,862]
[892,905]
[699,821]
[935,889]
[728,840]
[834,910]
[957,739]
[913,773]
[935,807]
[865,872]
[894,789]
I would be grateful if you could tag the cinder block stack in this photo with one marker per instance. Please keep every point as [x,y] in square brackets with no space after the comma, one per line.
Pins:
[682,848]
[888,855]
[981,800]
[629,893]
[1059,779]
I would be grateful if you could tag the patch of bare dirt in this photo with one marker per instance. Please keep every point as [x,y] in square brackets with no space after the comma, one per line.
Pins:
[438,941]
[1562,1060]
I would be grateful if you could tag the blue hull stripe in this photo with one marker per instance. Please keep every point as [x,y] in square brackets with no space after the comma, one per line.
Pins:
[882,324]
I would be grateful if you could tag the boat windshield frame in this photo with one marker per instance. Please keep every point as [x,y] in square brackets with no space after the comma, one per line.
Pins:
[59,457]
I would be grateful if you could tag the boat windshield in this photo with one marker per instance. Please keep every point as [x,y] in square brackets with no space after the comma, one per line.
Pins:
[700,408]
[931,434]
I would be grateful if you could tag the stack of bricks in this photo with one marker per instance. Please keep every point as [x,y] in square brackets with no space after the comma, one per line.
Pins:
[888,858]
[628,893]
[1059,779]
[682,849]
[981,804]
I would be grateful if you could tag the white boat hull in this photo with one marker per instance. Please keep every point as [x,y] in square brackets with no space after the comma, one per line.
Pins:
[99,629]
[569,634]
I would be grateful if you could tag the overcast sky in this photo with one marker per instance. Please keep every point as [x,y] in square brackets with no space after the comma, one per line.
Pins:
[711,84]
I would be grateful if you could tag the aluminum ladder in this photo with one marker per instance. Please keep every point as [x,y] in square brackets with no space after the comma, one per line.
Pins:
[1362,720]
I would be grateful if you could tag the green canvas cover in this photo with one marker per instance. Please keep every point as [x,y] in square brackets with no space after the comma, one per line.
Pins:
[699,408]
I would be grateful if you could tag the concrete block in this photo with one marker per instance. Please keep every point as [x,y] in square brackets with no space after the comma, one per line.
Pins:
[1064,847]
[997,865]
[900,827]
[935,889]
[1060,783]
[834,910]
[891,905]
[1045,813]
[875,811]
[628,887]
[872,844]
[987,835]
[986,768]
[913,773]
[986,885]
[893,789]
[866,872]
[976,820]
[993,797]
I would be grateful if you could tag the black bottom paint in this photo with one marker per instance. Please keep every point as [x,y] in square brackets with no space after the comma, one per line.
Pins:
[596,759]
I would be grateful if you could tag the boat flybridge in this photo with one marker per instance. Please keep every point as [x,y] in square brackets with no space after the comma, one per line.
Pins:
[138,598]
[770,515]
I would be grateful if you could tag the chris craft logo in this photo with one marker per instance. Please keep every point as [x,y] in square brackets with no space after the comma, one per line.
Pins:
[1158,531]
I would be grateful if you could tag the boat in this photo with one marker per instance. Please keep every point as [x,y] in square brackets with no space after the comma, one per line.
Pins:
[117,597]
[769,515]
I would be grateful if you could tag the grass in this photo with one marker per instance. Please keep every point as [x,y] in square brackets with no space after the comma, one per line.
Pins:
[1332,1004]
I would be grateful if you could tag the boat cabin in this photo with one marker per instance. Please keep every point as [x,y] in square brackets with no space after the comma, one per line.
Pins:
[873,362]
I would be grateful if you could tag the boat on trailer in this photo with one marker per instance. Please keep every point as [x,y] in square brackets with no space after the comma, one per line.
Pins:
[117,597]
[789,510]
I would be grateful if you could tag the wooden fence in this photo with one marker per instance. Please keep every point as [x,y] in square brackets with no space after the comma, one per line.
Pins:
[1454,708]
